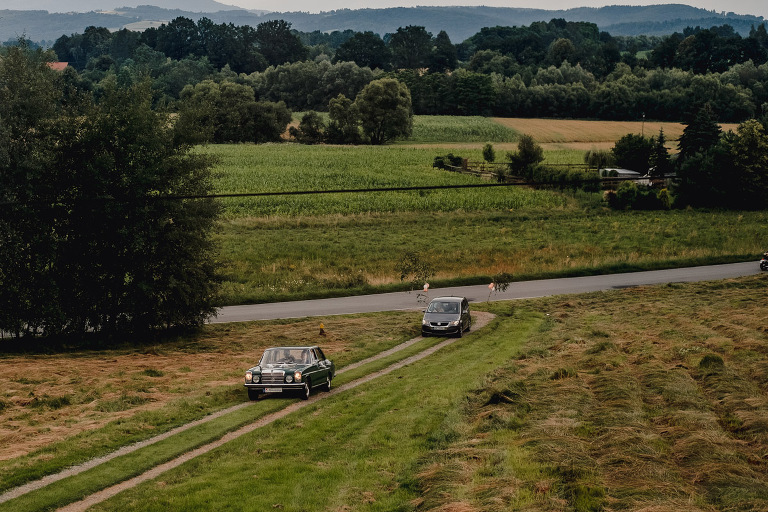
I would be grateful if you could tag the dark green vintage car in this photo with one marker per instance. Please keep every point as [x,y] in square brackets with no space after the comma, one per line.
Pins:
[286,369]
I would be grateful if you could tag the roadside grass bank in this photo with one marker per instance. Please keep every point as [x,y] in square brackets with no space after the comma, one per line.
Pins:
[285,258]
[91,403]
[350,451]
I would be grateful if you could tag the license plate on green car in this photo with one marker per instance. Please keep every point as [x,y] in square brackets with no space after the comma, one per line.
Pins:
[274,390]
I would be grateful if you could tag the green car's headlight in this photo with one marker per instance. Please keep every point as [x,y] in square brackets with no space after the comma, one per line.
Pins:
[289,378]
[248,377]
[297,376]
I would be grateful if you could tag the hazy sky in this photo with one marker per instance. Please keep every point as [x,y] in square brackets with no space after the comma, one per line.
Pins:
[755,7]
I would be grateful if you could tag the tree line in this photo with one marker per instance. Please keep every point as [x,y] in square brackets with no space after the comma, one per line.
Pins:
[547,69]
[711,169]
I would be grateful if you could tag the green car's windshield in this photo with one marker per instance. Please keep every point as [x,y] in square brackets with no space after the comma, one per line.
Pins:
[443,307]
[276,356]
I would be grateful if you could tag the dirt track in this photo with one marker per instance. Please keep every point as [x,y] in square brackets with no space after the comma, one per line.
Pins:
[480,319]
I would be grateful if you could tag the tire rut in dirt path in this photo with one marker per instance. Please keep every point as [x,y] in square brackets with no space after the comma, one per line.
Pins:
[479,320]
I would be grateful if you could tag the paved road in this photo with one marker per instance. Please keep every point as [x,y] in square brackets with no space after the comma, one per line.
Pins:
[479,293]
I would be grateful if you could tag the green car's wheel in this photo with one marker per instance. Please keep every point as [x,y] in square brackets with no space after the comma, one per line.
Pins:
[327,386]
[306,390]
[253,394]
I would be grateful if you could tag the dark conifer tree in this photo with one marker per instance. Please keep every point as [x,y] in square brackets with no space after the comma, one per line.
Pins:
[700,134]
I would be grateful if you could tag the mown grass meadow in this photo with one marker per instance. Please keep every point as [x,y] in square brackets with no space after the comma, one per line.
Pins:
[648,399]
[651,398]
[47,423]
[355,452]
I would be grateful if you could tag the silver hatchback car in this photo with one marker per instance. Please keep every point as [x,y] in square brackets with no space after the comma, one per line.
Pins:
[446,316]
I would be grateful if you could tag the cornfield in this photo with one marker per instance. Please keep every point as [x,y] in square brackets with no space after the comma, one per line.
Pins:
[294,168]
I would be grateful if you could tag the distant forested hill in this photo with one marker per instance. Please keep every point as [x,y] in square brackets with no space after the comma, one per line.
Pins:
[109,5]
[459,22]
[463,22]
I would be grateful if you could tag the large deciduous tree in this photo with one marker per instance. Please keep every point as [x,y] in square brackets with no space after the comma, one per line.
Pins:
[28,104]
[365,49]
[411,47]
[344,121]
[229,112]
[385,110]
[278,44]
[178,39]
[633,152]
[92,242]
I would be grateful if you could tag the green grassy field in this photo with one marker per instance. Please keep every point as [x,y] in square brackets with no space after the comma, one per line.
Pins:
[294,168]
[282,258]
[650,398]
[452,129]
[306,246]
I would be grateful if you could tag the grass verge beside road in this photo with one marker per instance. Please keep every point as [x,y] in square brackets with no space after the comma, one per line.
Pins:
[276,259]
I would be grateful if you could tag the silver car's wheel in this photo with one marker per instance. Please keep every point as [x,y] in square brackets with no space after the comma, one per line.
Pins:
[306,390]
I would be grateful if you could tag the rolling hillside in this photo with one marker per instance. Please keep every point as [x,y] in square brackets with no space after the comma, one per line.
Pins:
[45,24]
